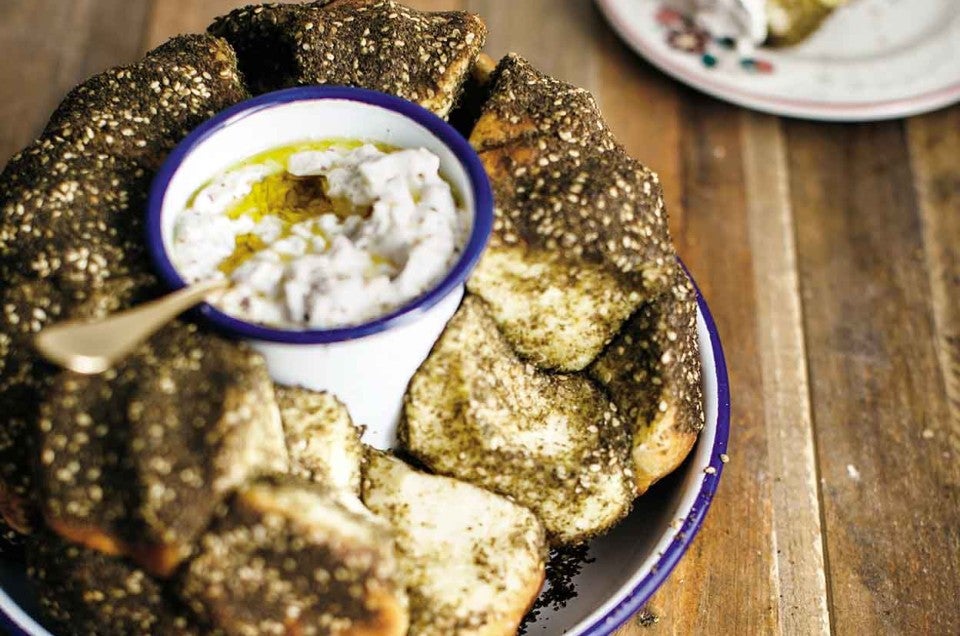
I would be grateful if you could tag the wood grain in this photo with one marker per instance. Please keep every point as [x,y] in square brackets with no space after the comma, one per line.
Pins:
[173,17]
[555,35]
[934,142]
[890,497]
[797,531]
[726,582]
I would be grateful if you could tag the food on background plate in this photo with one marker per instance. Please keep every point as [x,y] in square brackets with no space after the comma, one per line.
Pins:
[792,21]
[322,234]
[472,561]
[755,22]
[212,501]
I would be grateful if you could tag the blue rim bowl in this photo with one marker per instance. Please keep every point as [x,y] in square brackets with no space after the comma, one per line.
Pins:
[461,149]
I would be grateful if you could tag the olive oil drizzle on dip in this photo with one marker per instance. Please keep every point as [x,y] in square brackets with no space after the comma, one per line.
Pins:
[290,198]
[322,234]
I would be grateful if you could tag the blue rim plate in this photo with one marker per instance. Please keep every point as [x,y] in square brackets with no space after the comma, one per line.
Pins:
[706,458]
[699,489]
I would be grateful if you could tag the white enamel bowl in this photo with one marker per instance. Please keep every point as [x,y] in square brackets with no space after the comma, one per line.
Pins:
[369,365]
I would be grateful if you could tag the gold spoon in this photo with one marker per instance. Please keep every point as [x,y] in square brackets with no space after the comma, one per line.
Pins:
[94,347]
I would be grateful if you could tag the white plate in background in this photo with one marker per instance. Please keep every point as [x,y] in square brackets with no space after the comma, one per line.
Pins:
[870,60]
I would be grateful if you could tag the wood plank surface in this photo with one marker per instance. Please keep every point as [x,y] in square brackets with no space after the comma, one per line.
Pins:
[889,495]
[52,45]
[173,17]
[561,44]
[934,142]
[797,531]
[715,246]
[830,256]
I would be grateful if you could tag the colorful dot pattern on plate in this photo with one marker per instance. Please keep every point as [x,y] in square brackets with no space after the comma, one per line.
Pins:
[684,35]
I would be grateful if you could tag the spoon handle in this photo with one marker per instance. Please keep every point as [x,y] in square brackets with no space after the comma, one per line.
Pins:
[93,347]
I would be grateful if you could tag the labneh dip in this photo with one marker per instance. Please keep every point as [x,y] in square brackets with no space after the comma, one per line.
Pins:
[322,235]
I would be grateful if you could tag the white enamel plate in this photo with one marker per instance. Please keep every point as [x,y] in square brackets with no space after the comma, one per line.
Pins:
[623,568]
[871,59]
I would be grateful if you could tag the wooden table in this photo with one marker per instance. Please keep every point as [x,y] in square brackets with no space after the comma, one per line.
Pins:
[830,256]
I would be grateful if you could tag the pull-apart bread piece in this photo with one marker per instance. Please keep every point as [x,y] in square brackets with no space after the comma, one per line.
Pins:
[87,593]
[580,275]
[551,442]
[143,110]
[525,104]
[652,372]
[75,220]
[287,556]
[24,379]
[322,440]
[472,561]
[71,238]
[424,57]
[580,235]
[134,461]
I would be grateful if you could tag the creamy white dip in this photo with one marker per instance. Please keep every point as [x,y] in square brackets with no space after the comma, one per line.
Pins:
[395,231]
[742,20]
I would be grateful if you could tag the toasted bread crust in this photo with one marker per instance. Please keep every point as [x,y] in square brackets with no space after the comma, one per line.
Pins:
[652,372]
[289,556]
[483,68]
[421,56]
